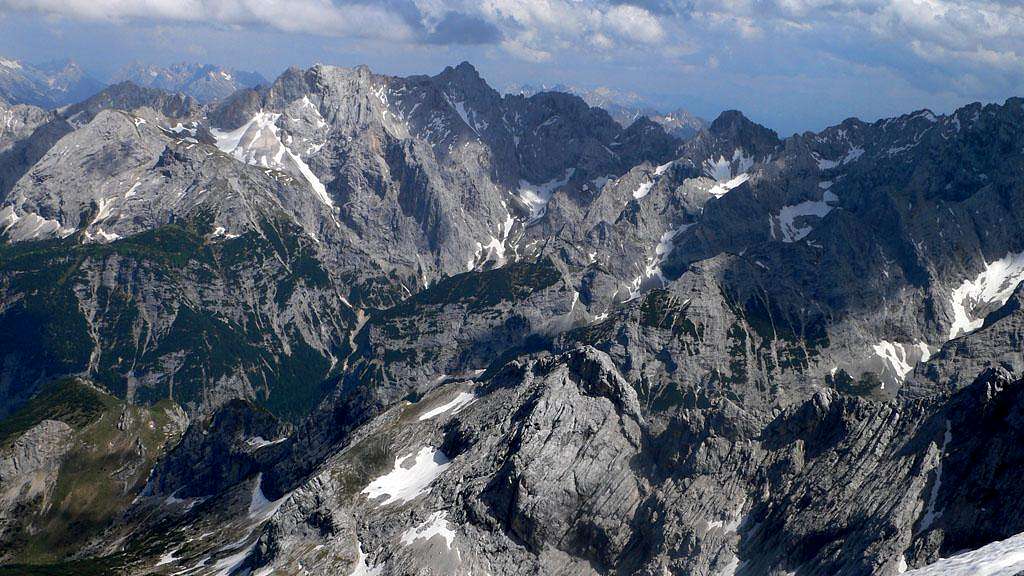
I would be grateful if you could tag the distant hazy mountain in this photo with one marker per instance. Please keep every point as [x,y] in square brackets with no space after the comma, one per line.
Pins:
[204,82]
[47,85]
[626,107]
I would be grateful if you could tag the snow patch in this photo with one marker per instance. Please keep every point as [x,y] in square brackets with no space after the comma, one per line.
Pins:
[31,225]
[167,558]
[460,108]
[102,235]
[643,190]
[227,565]
[257,442]
[494,249]
[724,169]
[536,196]
[666,242]
[786,219]
[460,401]
[436,525]
[723,188]
[104,209]
[895,354]
[410,477]
[260,507]
[926,352]
[257,143]
[362,568]
[851,155]
[989,290]
[180,128]
[652,271]
[131,191]
[1003,558]
[930,514]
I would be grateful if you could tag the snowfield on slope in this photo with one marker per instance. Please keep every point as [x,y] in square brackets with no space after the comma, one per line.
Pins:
[1003,558]
[460,401]
[410,477]
[989,290]
[257,142]
[901,358]
[536,196]
[436,525]
[786,219]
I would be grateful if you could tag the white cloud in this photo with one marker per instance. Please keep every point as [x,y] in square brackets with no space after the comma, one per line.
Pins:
[543,26]
[301,16]
[601,41]
[531,30]
[525,52]
[952,38]
[633,23]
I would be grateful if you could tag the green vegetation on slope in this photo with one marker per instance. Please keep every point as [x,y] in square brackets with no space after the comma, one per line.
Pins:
[69,400]
[47,331]
[111,451]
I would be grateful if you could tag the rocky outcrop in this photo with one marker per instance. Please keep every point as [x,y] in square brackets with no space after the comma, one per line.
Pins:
[553,464]
[72,461]
[28,474]
[214,455]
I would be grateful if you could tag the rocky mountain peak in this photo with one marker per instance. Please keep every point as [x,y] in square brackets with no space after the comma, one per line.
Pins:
[734,126]
[292,84]
[464,70]
[65,68]
[129,96]
[464,83]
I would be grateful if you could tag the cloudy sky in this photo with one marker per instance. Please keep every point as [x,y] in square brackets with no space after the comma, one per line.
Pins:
[792,65]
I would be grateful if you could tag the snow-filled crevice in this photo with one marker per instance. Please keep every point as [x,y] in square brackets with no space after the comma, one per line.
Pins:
[650,275]
[930,513]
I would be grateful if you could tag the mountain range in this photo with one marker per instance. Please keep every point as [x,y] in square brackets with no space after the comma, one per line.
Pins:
[203,82]
[626,107]
[48,85]
[60,83]
[351,323]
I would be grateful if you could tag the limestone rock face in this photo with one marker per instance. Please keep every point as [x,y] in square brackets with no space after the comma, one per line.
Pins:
[29,468]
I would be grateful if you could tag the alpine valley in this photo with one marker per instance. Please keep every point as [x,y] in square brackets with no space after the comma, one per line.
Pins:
[344,323]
